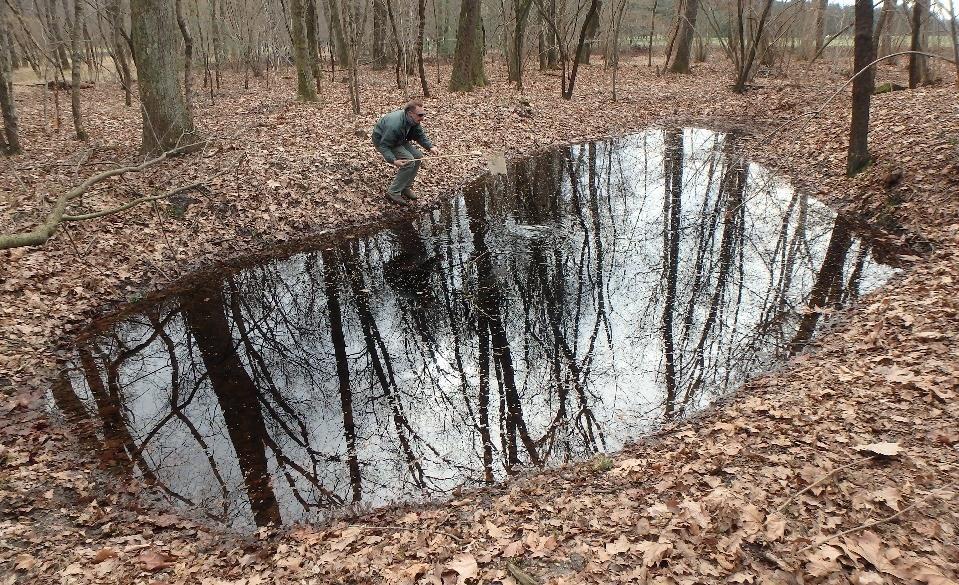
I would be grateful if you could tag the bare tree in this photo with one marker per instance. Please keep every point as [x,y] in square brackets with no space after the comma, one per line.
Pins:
[119,47]
[305,88]
[76,60]
[686,17]
[862,88]
[313,44]
[515,48]
[167,123]
[187,57]
[954,27]
[919,73]
[420,27]
[10,137]
[468,59]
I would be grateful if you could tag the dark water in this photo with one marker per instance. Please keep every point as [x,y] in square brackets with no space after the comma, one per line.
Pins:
[530,321]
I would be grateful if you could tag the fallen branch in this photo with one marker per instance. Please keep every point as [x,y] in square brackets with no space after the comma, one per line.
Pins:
[818,482]
[865,526]
[521,576]
[46,230]
[133,203]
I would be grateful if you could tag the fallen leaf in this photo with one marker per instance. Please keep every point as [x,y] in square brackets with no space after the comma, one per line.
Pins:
[25,562]
[619,546]
[887,449]
[888,495]
[495,531]
[653,552]
[464,564]
[822,561]
[513,549]
[104,554]
[154,560]
[775,527]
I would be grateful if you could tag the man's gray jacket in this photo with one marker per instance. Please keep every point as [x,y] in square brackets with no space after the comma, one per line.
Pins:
[396,129]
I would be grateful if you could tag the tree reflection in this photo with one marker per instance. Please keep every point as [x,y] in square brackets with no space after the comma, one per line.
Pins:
[539,318]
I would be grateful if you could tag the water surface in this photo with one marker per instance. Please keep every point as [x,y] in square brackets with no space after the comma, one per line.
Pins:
[534,319]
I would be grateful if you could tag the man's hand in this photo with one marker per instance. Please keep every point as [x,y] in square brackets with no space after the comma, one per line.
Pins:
[433,151]
[400,162]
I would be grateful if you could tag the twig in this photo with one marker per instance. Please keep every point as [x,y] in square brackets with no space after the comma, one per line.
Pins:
[521,576]
[819,481]
[45,231]
[134,203]
[865,526]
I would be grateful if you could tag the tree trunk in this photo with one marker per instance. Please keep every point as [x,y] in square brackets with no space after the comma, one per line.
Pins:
[862,87]
[745,70]
[167,123]
[60,49]
[652,31]
[345,17]
[590,15]
[187,57]
[955,37]
[313,44]
[552,40]
[468,58]
[885,22]
[591,29]
[543,64]
[420,27]
[336,27]
[885,40]
[119,44]
[305,88]
[515,64]
[398,46]
[380,34]
[918,67]
[819,26]
[687,30]
[75,64]
[217,34]
[10,138]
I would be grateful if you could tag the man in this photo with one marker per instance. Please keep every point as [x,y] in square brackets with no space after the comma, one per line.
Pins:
[391,136]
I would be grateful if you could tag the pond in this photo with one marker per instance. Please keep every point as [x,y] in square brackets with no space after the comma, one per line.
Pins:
[533,319]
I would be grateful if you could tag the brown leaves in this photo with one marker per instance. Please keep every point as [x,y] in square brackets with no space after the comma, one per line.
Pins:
[885,449]
[465,566]
[104,554]
[155,560]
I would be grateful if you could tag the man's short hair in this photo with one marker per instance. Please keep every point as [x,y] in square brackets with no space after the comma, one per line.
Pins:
[412,105]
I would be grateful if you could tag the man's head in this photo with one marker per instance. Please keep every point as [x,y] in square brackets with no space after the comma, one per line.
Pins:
[415,111]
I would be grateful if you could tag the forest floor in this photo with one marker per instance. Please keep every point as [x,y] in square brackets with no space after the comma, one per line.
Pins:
[840,467]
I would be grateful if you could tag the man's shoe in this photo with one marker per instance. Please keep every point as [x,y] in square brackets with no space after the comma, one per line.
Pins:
[398,199]
[408,193]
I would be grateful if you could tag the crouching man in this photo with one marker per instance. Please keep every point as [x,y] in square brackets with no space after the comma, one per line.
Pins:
[393,136]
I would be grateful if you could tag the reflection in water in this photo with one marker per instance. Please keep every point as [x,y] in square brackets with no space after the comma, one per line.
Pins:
[531,321]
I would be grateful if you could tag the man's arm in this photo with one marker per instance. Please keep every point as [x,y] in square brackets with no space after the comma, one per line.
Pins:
[387,141]
[417,134]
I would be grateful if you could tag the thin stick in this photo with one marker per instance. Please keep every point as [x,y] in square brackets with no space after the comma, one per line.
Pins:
[459,155]
[820,481]
[521,576]
[826,539]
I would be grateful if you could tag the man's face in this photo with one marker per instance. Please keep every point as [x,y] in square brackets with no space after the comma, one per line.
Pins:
[418,114]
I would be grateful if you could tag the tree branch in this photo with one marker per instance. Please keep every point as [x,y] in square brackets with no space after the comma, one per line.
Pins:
[133,203]
[46,230]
